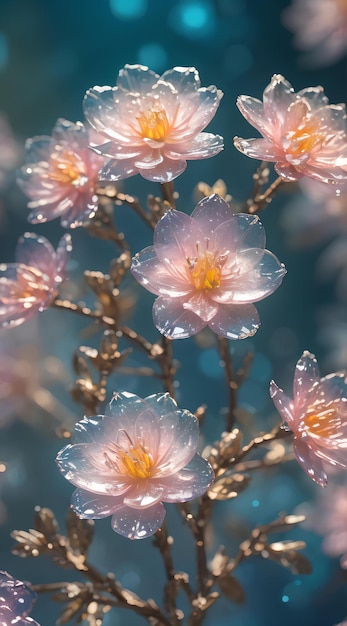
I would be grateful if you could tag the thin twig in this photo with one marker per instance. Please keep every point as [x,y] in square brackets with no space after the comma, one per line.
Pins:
[223,346]
[261,201]
[164,543]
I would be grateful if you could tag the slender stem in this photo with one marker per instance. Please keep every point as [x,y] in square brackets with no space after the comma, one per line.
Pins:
[167,366]
[164,543]
[131,201]
[168,193]
[223,346]
[276,433]
[260,201]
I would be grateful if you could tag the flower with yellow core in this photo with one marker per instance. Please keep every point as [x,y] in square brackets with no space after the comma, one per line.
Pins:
[141,453]
[302,133]
[317,415]
[208,269]
[150,124]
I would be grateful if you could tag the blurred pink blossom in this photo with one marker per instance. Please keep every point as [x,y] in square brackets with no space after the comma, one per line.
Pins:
[317,416]
[329,519]
[152,124]
[208,269]
[320,29]
[16,601]
[61,175]
[302,133]
[30,284]
[126,463]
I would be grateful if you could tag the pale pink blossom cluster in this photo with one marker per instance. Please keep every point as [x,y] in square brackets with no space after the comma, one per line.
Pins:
[208,269]
[317,415]
[126,463]
[31,283]
[320,29]
[301,132]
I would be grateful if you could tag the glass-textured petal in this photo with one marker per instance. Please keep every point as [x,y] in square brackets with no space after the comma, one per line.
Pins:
[138,524]
[310,462]
[16,601]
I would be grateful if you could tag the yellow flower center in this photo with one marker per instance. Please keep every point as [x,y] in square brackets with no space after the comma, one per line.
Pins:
[321,423]
[153,124]
[136,462]
[65,168]
[129,459]
[205,272]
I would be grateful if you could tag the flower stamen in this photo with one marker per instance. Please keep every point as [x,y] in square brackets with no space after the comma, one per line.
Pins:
[205,271]
[153,124]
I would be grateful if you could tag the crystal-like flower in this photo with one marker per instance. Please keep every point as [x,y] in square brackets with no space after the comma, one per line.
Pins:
[152,124]
[302,133]
[16,601]
[320,28]
[126,463]
[61,174]
[317,415]
[208,269]
[30,284]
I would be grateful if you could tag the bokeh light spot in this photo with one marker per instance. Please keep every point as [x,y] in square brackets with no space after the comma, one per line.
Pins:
[193,18]
[129,9]
[153,55]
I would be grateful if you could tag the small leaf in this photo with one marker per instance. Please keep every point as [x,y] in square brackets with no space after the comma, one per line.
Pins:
[79,533]
[32,543]
[231,588]
[229,485]
[45,522]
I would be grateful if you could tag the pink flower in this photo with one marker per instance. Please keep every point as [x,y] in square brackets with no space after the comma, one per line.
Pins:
[152,124]
[302,133]
[126,463]
[30,284]
[61,175]
[329,519]
[317,416]
[208,269]
[16,601]
[320,28]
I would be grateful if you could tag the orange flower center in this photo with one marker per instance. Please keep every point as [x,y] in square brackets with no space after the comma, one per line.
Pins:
[321,423]
[153,123]
[205,272]
[304,138]
[66,168]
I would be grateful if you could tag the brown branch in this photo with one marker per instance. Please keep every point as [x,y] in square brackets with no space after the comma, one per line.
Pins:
[260,201]
[164,544]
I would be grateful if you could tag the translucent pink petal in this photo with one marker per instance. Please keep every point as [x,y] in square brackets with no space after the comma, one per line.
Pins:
[283,404]
[144,495]
[261,149]
[161,404]
[120,152]
[200,304]
[117,170]
[190,482]
[99,109]
[89,505]
[209,99]
[278,96]
[253,110]
[306,373]
[241,232]
[310,462]
[235,321]
[250,282]
[164,172]
[84,465]
[179,437]
[203,146]
[176,236]
[62,255]
[173,321]
[184,79]
[289,172]
[212,212]
[160,276]
[138,523]
[137,79]
[336,457]
[125,409]
[36,251]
